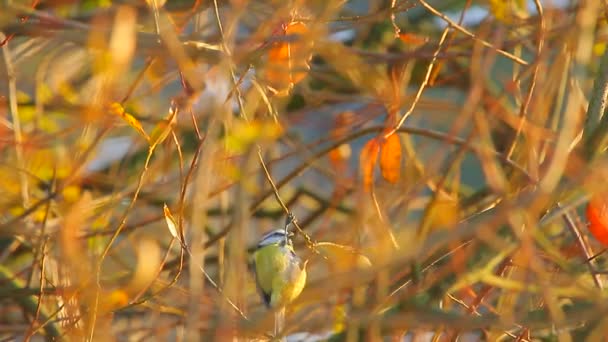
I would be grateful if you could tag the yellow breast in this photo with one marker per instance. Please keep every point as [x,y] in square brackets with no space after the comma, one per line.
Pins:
[279,274]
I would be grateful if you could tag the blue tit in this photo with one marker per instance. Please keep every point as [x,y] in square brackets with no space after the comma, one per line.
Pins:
[280,274]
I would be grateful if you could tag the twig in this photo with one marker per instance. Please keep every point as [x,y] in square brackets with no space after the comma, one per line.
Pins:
[422,86]
[583,246]
[16,121]
[466,32]
[539,49]
[309,243]
[211,281]
[440,136]
[597,137]
[41,287]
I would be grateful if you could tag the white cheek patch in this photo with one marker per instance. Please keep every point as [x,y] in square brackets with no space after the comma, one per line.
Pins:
[274,237]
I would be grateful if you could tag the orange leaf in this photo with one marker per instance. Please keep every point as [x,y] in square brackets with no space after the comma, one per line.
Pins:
[367,161]
[338,158]
[288,61]
[412,39]
[390,158]
[597,214]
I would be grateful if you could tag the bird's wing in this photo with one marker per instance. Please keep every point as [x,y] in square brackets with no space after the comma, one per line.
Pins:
[265,296]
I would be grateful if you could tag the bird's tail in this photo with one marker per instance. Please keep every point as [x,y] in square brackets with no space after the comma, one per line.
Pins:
[279,324]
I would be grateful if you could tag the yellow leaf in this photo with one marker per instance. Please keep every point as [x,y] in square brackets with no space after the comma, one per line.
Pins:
[118,298]
[117,109]
[390,158]
[243,134]
[444,213]
[71,193]
[508,11]
[113,300]
[599,48]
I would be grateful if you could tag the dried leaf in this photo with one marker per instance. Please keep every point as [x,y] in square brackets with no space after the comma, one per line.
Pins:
[171,223]
[367,162]
[390,158]
[163,128]
[118,109]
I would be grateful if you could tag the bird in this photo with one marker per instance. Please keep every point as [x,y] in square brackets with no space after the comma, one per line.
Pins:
[279,273]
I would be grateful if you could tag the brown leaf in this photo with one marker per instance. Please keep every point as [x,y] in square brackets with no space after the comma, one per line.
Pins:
[367,162]
[390,158]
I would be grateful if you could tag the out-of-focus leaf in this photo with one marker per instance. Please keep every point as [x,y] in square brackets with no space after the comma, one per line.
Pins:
[118,109]
[342,258]
[243,134]
[122,42]
[372,79]
[288,61]
[156,3]
[71,246]
[113,300]
[597,214]
[171,223]
[444,213]
[338,157]
[412,39]
[390,158]
[367,162]
[508,11]
[148,262]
